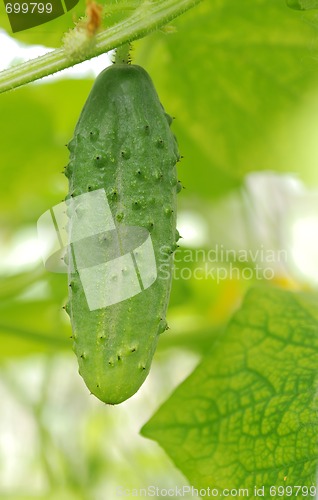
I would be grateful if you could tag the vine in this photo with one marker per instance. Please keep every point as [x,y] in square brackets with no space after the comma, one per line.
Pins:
[145,19]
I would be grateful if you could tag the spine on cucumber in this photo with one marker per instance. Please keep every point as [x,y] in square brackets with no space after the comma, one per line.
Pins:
[123,144]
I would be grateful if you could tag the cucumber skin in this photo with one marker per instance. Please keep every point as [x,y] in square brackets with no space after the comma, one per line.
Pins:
[123,143]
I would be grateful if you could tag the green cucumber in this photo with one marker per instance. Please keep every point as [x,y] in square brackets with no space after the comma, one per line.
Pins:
[123,144]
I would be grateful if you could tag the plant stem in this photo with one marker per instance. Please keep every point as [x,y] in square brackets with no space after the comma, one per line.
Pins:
[145,19]
[123,54]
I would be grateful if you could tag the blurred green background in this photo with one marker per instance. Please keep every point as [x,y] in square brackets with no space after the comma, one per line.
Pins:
[241,80]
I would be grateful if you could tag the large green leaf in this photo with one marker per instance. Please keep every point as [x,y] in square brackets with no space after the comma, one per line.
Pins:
[236,75]
[248,414]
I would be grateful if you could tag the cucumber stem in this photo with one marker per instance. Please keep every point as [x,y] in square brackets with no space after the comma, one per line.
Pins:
[123,54]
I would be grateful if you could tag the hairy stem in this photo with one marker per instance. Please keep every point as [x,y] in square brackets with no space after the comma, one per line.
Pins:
[123,54]
[147,18]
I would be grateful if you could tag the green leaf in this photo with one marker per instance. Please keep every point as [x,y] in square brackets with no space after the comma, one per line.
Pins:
[248,414]
[302,4]
[237,77]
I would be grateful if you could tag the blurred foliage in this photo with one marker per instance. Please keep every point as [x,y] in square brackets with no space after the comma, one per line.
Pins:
[238,86]
[302,4]
[57,442]
[39,123]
